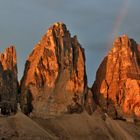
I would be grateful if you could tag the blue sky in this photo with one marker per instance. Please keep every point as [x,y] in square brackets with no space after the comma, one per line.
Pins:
[23,22]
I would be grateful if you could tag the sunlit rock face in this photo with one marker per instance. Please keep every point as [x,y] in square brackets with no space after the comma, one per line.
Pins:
[117,84]
[54,71]
[8,81]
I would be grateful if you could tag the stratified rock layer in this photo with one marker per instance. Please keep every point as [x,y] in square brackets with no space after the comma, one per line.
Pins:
[8,81]
[117,84]
[54,71]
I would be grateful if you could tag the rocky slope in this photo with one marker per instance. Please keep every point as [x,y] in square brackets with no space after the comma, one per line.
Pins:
[54,71]
[67,127]
[90,127]
[8,81]
[21,127]
[117,84]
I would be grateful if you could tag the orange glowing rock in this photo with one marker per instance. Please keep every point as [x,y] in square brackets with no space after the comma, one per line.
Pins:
[117,84]
[54,71]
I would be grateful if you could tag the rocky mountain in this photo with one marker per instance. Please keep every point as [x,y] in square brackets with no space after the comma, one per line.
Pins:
[54,72]
[8,81]
[55,82]
[117,84]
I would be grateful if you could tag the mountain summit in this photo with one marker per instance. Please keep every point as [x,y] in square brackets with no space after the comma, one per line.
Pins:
[117,84]
[8,81]
[54,72]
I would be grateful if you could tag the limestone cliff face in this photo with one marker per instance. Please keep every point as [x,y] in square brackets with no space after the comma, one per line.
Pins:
[117,84]
[8,80]
[54,71]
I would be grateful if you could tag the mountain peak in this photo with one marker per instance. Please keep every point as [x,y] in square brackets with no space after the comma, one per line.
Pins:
[8,58]
[122,41]
[118,78]
[8,80]
[56,66]
[58,29]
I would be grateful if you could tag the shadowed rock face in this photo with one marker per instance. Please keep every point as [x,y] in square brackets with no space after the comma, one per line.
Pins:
[54,71]
[117,84]
[90,104]
[8,81]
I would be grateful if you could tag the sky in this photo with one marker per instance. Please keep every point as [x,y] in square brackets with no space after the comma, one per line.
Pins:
[95,22]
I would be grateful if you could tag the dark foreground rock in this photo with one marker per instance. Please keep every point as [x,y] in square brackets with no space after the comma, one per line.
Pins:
[8,81]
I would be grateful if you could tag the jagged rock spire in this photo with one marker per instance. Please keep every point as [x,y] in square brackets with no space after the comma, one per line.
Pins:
[54,71]
[117,81]
[8,81]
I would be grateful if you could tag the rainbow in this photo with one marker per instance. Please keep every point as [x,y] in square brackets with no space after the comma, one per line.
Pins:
[119,19]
